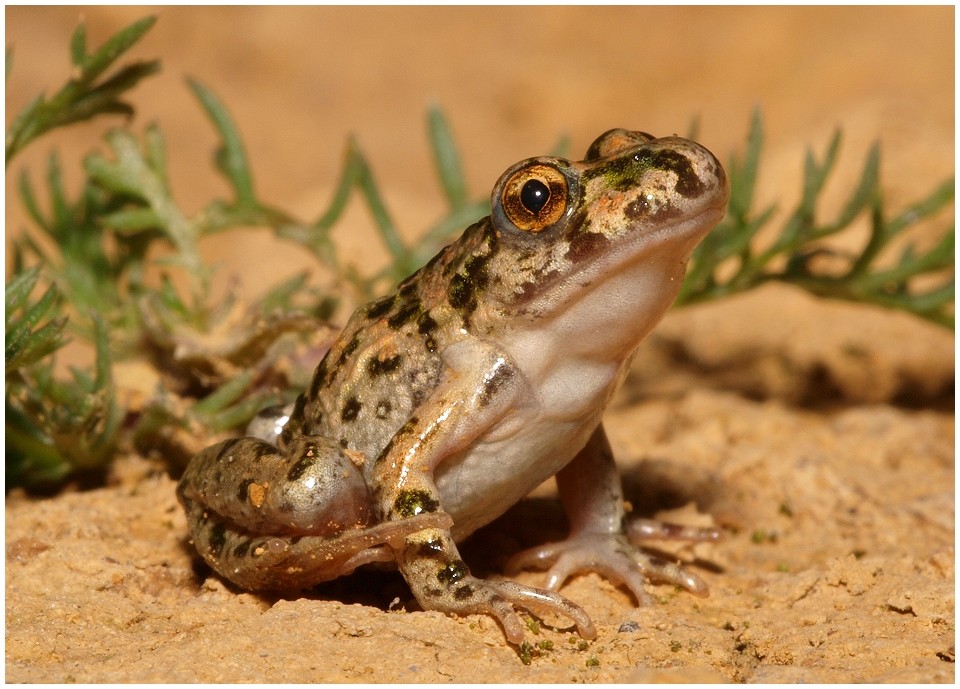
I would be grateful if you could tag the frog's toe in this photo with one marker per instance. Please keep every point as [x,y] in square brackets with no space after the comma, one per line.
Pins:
[611,556]
[652,530]
[502,598]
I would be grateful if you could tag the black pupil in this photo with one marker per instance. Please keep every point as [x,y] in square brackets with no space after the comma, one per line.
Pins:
[534,196]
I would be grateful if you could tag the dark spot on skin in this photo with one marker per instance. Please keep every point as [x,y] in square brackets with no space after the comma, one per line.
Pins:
[405,429]
[466,286]
[241,549]
[227,448]
[242,489]
[294,426]
[434,593]
[477,270]
[453,572]
[460,292]
[410,503]
[688,184]
[377,367]
[381,306]
[491,386]
[319,378]
[463,592]
[261,450]
[432,549]
[497,599]
[383,409]
[348,350]
[301,466]
[534,285]
[351,408]
[426,325]
[408,311]
[640,209]
[217,538]
[584,246]
[344,444]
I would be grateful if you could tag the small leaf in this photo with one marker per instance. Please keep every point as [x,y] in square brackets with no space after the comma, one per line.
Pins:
[348,179]
[30,202]
[743,176]
[231,158]
[865,192]
[446,159]
[78,46]
[58,196]
[381,217]
[80,98]
[114,47]
[131,220]
[25,343]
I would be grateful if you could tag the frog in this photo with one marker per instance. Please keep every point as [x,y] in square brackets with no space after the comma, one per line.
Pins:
[444,403]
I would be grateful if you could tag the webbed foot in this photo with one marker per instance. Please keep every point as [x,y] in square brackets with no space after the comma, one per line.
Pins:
[617,558]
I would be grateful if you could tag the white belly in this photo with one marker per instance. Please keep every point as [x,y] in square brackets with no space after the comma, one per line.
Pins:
[529,445]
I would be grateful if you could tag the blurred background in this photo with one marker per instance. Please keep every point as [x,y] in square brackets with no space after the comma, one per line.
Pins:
[299,81]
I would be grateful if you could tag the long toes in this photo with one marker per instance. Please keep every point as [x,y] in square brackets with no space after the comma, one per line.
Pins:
[673,573]
[509,619]
[542,602]
[640,530]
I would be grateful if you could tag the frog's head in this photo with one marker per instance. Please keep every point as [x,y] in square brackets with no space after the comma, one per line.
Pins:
[599,247]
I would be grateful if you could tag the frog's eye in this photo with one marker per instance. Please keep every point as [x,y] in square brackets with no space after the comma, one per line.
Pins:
[535,197]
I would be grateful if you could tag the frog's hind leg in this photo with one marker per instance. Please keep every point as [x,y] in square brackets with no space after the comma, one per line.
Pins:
[270,563]
[268,519]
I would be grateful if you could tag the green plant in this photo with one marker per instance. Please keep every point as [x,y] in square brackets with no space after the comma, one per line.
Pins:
[218,360]
[792,256]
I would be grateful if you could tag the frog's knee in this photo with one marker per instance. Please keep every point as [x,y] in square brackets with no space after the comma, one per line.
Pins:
[323,490]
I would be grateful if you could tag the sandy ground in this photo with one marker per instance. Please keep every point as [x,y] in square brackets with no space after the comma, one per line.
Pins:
[819,435]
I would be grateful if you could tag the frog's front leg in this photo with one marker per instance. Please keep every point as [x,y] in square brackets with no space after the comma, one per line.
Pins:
[459,411]
[271,519]
[592,497]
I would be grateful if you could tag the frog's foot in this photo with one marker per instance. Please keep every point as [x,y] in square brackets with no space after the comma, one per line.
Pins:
[616,558]
[501,599]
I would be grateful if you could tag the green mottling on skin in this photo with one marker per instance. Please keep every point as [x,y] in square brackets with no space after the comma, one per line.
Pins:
[410,503]
[454,571]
